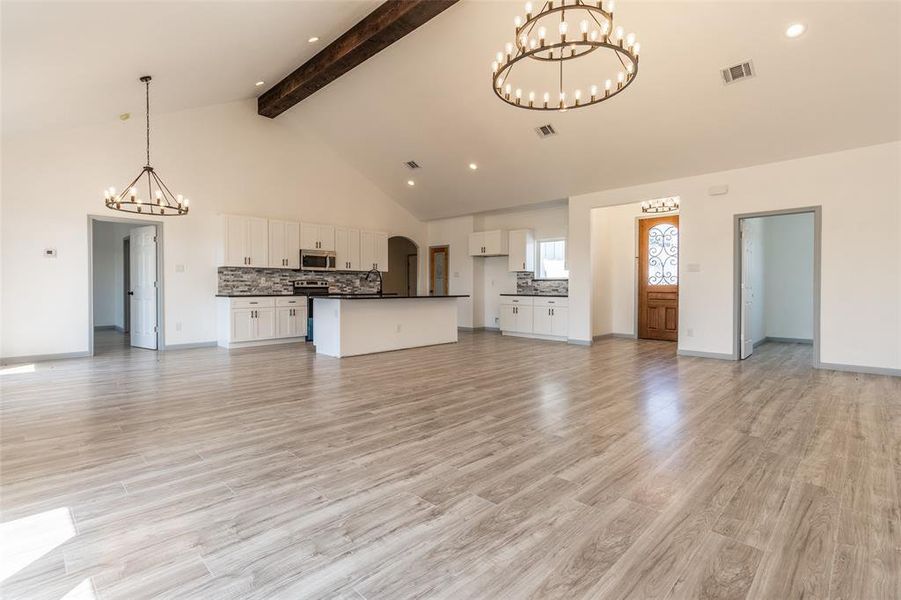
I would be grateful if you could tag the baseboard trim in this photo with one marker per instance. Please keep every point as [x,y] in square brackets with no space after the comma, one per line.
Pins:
[699,354]
[470,329]
[16,360]
[784,340]
[190,345]
[534,336]
[859,369]
[576,342]
[258,343]
[109,328]
[607,336]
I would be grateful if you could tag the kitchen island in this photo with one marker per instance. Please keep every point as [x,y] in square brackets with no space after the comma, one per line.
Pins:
[350,325]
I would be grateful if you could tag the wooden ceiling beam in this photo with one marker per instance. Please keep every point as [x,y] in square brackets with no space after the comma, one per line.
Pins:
[379,29]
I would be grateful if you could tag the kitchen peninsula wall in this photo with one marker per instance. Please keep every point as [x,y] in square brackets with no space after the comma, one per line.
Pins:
[244,280]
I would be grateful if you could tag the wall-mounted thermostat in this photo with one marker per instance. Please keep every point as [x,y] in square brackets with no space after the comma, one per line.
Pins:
[49,253]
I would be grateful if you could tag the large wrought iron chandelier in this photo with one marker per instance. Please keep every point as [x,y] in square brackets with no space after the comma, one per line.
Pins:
[596,32]
[160,201]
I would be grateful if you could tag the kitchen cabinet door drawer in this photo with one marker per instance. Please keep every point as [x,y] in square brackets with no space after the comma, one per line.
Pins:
[552,302]
[519,300]
[292,302]
[252,302]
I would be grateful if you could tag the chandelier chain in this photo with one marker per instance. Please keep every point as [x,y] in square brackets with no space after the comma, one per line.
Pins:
[147,112]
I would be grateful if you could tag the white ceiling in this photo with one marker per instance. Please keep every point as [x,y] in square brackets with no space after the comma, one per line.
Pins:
[428,96]
[73,63]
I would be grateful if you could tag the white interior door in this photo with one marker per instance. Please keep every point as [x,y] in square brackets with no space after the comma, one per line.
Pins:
[747,292]
[143,287]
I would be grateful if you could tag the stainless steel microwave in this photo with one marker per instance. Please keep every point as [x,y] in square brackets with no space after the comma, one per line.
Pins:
[317,260]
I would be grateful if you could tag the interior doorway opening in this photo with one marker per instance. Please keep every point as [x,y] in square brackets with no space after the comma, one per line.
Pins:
[439,264]
[777,281]
[619,271]
[403,260]
[125,307]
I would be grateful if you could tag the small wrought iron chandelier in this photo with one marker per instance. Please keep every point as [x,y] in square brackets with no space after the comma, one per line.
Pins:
[160,201]
[660,205]
[596,32]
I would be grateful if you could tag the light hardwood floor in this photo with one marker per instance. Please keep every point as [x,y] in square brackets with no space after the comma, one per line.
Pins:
[492,468]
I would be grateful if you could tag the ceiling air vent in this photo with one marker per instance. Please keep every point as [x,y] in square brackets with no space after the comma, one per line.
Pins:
[739,71]
[545,131]
[412,164]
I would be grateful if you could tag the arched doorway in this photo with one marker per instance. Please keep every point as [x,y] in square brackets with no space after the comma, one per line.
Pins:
[403,266]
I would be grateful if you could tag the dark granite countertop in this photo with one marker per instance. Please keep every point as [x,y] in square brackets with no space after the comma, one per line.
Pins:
[539,295]
[386,297]
[243,295]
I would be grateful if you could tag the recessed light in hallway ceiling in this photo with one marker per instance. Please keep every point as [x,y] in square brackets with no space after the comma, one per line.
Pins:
[795,30]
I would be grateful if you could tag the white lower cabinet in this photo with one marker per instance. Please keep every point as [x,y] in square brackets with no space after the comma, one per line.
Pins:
[261,320]
[540,317]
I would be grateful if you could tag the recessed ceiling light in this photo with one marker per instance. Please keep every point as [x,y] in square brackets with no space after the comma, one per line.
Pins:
[313,40]
[473,166]
[410,182]
[259,83]
[795,30]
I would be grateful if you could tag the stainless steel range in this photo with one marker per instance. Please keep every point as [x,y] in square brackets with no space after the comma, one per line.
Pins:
[310,288]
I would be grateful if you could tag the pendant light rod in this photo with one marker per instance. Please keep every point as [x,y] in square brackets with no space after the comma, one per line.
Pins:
[146,79]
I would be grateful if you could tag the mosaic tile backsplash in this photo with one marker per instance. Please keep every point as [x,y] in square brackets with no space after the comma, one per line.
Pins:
[247,280]
[527,284]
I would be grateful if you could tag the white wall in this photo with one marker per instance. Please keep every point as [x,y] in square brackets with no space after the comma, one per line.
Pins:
[860,195]
[108,273]
[788,263]
[614,247]
[455,234]
[226,158]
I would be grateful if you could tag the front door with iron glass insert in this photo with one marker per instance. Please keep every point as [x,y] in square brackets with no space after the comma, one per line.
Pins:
[658,278]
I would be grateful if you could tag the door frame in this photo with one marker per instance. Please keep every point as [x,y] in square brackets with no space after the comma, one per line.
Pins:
[160,288]
[446,248]
[126,284]
[636,297]
[737,260]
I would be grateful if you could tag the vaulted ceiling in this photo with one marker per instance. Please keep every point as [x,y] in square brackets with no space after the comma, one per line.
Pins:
[428,96]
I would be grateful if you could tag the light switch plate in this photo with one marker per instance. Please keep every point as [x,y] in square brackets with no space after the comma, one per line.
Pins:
[179,268]
[693,267]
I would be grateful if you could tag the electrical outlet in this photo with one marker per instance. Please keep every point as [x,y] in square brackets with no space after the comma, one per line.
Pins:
[178,326]
[397,328]
[689,332]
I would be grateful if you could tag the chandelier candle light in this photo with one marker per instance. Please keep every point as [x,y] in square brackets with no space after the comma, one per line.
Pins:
[160,201]
[532,41]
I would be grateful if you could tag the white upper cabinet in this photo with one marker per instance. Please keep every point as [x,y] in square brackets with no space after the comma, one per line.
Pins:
[373,250]
[317,237]
[488,243]
[284,244]
[273,243]
[246,241]
[347,249]
[522,250]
